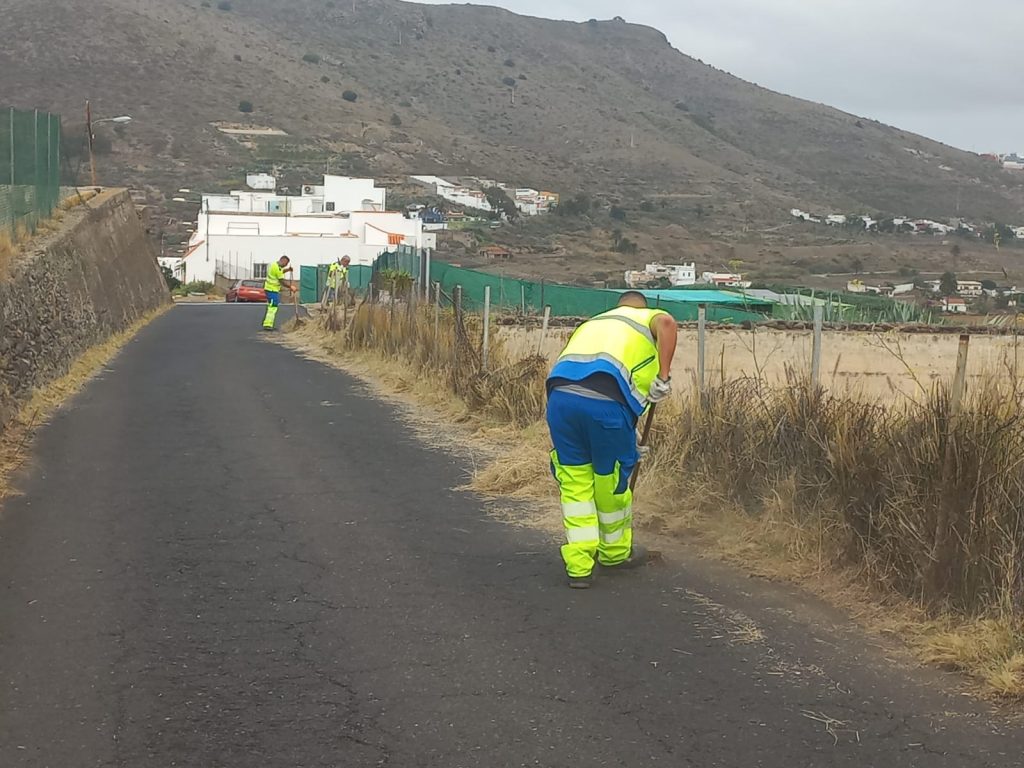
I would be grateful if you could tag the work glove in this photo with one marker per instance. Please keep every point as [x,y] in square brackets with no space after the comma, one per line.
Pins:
[644,451]
[660,389]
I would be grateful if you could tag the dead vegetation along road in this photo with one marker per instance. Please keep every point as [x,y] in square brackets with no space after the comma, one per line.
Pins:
[229,555]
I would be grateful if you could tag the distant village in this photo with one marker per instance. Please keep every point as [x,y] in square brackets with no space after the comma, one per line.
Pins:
[472,192]
[947,294]
[906,225]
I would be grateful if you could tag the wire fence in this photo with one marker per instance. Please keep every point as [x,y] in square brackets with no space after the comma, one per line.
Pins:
[30,148]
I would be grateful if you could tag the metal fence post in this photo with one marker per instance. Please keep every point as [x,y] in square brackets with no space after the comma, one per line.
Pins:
[819,313]
[522,292]
[702,318]
[487,326]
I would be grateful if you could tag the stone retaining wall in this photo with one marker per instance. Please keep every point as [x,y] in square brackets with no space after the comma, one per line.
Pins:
[75,287]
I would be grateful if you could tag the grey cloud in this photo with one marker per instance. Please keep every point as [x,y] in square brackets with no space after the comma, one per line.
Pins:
[944,68]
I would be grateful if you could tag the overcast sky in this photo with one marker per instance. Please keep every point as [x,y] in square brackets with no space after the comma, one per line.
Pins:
[948,69]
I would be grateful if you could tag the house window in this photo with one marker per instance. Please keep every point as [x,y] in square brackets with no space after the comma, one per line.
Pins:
[259,271]
[328,206]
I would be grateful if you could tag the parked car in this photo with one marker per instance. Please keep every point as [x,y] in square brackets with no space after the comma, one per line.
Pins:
[247,290]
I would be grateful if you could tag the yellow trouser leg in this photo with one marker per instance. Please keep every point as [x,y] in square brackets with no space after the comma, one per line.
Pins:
[615,518]
[579,514]
[268,319]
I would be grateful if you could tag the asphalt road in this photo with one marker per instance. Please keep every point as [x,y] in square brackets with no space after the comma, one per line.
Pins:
[226,555]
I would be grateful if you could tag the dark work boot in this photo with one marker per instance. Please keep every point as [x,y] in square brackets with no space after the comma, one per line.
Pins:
[637,557]
[581,582]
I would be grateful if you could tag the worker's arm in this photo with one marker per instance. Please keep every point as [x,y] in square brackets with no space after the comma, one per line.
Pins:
[665,332]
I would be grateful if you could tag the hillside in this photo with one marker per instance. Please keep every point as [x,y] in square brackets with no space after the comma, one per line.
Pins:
[607,107]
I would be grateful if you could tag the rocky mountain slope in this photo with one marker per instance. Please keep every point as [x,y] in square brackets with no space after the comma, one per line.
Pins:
[603,106]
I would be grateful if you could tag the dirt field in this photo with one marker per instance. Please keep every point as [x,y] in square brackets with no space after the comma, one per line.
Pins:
[880,365]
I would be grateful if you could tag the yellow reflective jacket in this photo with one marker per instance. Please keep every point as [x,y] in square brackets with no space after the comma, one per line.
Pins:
[619,343]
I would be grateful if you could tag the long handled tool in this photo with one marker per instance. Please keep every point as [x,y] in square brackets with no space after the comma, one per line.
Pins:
[645,438]
[295,302]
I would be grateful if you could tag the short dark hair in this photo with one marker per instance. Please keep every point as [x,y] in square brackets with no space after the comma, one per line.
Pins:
[633,297]
[286,258]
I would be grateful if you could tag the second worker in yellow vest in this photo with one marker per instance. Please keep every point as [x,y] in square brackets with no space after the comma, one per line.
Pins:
[613,367]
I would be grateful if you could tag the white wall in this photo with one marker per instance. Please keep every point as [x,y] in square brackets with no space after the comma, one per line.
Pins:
[241,252]
[348,194]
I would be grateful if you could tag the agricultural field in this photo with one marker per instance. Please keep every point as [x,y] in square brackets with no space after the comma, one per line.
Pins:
[876,366]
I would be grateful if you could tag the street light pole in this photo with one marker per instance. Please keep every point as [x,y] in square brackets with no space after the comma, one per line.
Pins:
[89,124]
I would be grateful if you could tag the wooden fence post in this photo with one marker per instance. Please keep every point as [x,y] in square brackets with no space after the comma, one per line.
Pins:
[457,309]
[943,543]
[702,319]
[487,326]
[819,313]
[543,331]
[437,311]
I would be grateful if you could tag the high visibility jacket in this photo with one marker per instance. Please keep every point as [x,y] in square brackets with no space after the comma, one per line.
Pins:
[619,343]
[275,274]
[336,275]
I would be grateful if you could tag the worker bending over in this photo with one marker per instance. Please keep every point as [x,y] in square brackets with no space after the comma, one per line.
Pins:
[337,278]
[613,367]
[272,287]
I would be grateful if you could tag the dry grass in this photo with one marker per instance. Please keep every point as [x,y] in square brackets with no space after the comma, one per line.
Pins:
[12,243]
[16,437]
[912,517]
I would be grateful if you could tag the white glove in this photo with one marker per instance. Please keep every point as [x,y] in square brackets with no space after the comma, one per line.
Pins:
[644,451]
[660,389]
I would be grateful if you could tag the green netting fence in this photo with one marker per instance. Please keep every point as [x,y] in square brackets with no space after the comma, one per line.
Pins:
[525,296]
[29,169]
[529,297]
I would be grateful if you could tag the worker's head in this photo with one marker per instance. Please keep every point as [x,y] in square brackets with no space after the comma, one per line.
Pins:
[283,261]
[345,261]
[633,299]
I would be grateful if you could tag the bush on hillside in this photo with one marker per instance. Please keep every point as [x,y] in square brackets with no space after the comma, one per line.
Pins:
[350,96]
[245,107]
[224,5]
[311,58]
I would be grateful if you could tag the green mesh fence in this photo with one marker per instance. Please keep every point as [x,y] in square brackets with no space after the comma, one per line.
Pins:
[530,297]
[29,169]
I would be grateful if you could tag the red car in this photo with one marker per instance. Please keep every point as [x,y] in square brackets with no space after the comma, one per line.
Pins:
[247,290]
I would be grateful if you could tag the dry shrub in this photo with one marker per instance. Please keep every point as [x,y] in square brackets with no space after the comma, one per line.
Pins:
[874,486]
[508,391]
[6,254]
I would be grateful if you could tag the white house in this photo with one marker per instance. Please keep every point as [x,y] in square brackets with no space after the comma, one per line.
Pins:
[954,305]
[676,274]
[241,241]
[261,181]
[725,280]
[173,263]
[969,288]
